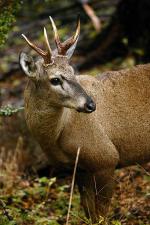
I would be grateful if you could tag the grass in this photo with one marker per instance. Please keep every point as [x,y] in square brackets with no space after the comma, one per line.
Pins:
[44,201]
[38,201]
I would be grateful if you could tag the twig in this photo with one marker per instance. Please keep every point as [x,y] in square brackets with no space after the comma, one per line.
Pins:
[147,173]
[72,186]
[95,185]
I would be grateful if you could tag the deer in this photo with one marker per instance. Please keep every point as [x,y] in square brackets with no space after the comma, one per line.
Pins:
[106,116]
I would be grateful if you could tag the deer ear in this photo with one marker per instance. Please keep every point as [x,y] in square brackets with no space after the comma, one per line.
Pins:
[70,51]
[27,64]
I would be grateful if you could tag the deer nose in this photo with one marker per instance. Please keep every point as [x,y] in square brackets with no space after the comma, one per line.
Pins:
[90,106]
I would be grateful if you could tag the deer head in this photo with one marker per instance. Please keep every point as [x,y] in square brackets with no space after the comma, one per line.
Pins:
[59,85]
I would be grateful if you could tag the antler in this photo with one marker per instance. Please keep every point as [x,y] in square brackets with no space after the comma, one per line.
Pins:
[63,47]
[46,55]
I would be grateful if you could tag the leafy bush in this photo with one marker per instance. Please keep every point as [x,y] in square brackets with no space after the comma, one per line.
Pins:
[8,10]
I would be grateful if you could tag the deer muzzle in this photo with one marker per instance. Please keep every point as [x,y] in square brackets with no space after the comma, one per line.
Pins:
[89,106]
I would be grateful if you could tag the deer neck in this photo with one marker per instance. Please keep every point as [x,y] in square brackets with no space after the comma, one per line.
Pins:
[54,120]
[45,122]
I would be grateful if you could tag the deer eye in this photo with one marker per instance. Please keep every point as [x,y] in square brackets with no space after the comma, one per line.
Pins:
[56,81]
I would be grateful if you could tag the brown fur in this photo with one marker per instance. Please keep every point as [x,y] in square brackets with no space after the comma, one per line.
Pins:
[116,134]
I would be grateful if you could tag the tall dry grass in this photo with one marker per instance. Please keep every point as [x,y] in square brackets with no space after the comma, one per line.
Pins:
[11,167]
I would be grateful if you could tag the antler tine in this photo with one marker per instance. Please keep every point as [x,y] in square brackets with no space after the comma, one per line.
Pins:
[38,50]
[77,33]
[68,43]
[47,43]
[56,35]
[63,47]
[45,54]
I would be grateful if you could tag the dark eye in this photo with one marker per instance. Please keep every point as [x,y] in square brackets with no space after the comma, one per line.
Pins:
[55,81]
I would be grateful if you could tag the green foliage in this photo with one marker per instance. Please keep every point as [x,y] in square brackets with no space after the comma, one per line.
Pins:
[41,202]
[9,110]
[5,221]
[46,181]
[116,222]
[7,17]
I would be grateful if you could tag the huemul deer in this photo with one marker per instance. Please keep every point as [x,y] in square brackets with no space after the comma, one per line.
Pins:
[108,117]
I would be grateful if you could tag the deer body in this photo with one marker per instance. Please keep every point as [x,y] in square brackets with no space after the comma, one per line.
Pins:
[125,112]
[122,118]
[116,134]
[61,128]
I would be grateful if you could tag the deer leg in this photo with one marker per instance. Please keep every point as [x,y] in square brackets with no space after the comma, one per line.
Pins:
[104,186]
[96,191]
[87,194]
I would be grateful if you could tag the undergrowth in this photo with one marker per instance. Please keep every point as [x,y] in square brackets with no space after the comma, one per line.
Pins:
[35,200]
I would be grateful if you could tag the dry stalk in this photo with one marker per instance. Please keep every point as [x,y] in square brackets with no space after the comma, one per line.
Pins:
[141,167]
[10,169]
[72,186]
